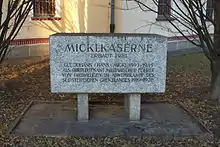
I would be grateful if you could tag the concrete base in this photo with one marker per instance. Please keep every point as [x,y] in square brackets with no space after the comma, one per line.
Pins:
[82,107]
[59,119]
[132,106]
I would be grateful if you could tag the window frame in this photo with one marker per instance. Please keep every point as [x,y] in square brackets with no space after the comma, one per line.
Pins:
[167,16]
[55,16]
[209,10]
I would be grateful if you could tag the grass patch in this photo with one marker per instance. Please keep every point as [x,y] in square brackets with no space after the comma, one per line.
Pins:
[194,62]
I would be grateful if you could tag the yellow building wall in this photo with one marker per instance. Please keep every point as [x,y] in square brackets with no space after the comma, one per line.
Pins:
[80,16]
[77,16]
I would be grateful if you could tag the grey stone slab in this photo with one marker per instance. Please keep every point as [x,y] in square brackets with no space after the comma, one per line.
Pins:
[95,130]
[26,127]
[82,107]
[114,113]
[109,120]
[108,63]
[66,115]
[41,113]
[133,106]
[52,127]
[54,106]
[54,111]
[159,110]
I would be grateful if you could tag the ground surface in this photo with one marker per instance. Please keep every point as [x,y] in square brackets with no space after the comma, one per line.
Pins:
[59,119]
[187,81]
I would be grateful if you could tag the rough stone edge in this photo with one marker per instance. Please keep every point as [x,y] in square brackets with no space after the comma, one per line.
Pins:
[17,121]
[195,118]
[108,35]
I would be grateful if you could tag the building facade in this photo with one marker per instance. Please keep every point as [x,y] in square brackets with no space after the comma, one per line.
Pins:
[95,16]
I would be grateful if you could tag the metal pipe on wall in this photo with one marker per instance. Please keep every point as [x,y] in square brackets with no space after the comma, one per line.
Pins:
[112,23]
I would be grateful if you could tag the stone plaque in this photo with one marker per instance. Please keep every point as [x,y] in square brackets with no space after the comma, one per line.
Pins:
[108,63]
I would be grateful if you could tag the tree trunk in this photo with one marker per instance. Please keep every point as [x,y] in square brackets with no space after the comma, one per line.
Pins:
[215,62]
[215,79]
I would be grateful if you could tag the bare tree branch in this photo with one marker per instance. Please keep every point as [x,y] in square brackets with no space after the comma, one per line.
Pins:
[190,14]
[11,22]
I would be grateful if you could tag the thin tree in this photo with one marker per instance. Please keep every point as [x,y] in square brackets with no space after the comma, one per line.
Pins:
[13,14]
[192,15]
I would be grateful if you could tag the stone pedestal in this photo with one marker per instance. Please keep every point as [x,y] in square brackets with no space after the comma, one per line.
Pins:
[132,106]
[82,107]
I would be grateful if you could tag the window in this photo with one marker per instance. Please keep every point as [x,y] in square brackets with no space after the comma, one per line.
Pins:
[164,9]
[209,9]
[44,8]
